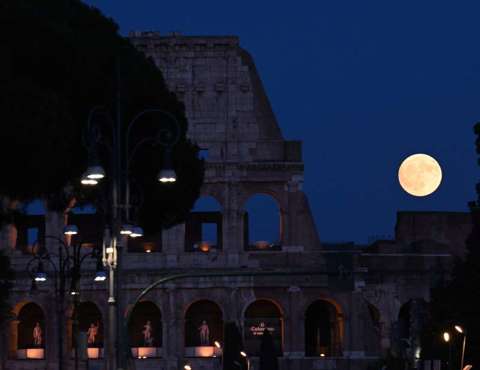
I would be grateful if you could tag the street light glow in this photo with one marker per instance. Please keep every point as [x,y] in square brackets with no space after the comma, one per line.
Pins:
[446,337]
[95,173]
[217,344]
[40,276]
[187,367]
[459,329]
[101,275]
[244,354]
[87,181]
[126,229]
[137,232]
[167,175]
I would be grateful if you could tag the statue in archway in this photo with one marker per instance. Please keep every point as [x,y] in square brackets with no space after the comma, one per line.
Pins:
[147,334]
[204,334]
[37,335]
[92,333]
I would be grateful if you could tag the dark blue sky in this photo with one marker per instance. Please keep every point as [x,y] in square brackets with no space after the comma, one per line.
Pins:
[362,83]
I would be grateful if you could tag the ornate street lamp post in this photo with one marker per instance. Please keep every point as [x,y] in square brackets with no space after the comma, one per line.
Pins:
[121,153]
[66,265]
[462,331]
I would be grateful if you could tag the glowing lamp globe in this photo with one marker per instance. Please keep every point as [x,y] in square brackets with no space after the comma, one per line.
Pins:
[95,172]
[167,175]
[136,232]
[70,230]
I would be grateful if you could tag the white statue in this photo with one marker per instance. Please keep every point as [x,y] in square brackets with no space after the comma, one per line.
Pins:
[147,333]
[37,335]
[204,334]
[92,333]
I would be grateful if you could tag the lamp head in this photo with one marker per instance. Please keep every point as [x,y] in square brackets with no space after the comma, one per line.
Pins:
[75,287]
[100,274]
[243,354]
[126,229]
[137,232]
[459,329]
[70,230]
[95,172]
[167,175]
[40,275]
[217,344]
[86,181]
[187,367]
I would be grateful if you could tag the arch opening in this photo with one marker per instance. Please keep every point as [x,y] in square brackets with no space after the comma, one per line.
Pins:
[322,330]
[90,329]
[31,332]
[203,227]
[260,316]
[262,223]
[145,330]
[203,326]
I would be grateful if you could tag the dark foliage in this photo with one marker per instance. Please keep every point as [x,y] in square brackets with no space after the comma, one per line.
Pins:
[268,357]
[6,281]
[59,60]
[232,360]
[458,301]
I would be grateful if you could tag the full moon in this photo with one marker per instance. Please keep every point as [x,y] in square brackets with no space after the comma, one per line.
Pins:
[420,175]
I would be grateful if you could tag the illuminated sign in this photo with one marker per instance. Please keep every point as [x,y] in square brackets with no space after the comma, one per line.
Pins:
[258,330]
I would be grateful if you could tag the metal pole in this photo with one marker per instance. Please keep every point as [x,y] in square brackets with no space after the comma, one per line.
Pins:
[450,355]
[60,310]
[75,329]
[114,284]
[117,214]
[463,351]
[111,318]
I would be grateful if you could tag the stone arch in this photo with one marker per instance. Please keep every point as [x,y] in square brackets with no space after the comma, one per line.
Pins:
[146,317]
[263,222]
[412,318]
[199,315]
[203,227]
[260,315]
[323,329]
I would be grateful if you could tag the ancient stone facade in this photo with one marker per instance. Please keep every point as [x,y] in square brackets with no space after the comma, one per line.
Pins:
[331,306]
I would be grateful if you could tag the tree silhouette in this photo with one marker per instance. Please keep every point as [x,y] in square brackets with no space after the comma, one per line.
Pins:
[456,302]
[6,281]
[59,59]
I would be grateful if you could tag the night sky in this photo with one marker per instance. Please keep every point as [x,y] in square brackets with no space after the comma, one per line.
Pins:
[363,83]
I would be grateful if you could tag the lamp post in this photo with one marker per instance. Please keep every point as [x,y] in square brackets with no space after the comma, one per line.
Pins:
[244,354]
[66,264]
[120,225]
[220,349]
[462,331]
[446,338]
